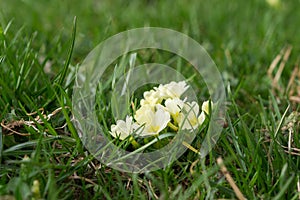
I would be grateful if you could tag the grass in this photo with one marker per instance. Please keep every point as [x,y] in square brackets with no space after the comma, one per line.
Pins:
[259,145]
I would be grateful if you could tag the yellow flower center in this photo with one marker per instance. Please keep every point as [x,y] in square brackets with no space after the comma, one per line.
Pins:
[194,121]
[154,129]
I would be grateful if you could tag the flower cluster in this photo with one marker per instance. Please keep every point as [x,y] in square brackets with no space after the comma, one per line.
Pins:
[162,108]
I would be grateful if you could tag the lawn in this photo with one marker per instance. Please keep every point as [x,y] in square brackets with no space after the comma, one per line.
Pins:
[255,46]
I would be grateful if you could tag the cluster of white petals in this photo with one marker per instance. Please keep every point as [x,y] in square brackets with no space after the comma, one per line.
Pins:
[172,90]
[123,128]
[161,108]
[154,120]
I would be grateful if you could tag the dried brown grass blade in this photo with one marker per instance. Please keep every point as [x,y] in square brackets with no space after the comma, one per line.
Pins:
[230,180]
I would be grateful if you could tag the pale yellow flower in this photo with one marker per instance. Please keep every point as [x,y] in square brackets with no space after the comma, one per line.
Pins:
[205,106]
[150,98]
[189,118]
[123,129]
[174,106]
[141,112]
[153,120]
[274,3]
[172,89]
[201,118]
[152,117]
[205,111]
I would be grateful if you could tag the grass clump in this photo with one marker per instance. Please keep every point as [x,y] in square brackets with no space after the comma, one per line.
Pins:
[41,155]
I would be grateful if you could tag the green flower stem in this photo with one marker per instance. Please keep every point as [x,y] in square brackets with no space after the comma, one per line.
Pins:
[134,143]
[172,126]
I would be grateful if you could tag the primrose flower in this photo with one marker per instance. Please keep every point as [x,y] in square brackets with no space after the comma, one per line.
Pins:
[123,128]
[174,106]
[141,112]
[189,119]
[162,108]
[154,120]
[150,98]
[274,3]
[172,90]
[201,118]
[205,110]
[205,106]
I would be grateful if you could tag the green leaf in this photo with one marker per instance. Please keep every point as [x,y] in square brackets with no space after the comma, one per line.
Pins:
[28,144]
[1,144]
[70,52]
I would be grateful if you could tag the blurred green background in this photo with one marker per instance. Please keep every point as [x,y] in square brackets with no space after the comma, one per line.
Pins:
[243,37]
